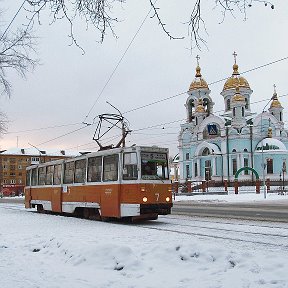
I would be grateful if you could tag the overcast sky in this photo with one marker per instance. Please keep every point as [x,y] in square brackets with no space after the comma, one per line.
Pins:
[64,87]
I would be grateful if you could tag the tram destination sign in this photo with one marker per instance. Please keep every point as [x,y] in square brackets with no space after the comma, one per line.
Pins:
[153,156]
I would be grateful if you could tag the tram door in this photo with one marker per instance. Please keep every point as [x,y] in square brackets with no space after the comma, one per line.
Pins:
[27,197]
[110,201]
[110,193]
[57,199]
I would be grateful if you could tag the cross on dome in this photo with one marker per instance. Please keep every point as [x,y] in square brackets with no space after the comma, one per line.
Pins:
[235,57]
[197,58]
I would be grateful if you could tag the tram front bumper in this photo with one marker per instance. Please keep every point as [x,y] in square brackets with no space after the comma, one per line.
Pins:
[160,209]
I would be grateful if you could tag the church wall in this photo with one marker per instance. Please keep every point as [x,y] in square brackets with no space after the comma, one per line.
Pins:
[278,160]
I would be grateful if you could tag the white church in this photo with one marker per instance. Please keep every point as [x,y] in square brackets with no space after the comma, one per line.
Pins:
[215,147]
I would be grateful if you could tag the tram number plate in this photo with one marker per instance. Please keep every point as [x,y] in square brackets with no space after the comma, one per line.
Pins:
[157,196]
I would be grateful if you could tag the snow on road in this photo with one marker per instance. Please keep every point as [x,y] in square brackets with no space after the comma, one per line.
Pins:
[38,250]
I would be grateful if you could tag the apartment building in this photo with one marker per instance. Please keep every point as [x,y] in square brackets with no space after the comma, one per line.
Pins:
[13,163]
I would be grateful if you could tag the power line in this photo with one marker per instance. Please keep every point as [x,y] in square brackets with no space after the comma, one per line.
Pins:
[118,63]
[43,128]
[165,99]
[152,126]
[71,132]
[212,83]
[6,30]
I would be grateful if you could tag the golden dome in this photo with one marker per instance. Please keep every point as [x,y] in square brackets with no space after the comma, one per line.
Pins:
[198,82]
[200,108]
[275,103]
[238,97]
[236,80]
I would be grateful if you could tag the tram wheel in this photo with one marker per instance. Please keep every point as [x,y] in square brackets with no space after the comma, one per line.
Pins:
[40,209]
[86,213]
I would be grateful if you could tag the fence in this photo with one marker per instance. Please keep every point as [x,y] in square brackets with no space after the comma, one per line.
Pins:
[212,187]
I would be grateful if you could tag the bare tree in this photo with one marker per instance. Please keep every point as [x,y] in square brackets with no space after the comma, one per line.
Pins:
[15,54]
[196,22]
[99,14]
[3,123]
[16,48]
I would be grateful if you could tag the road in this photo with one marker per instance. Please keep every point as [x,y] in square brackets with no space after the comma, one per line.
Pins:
[12,200]
[276,211]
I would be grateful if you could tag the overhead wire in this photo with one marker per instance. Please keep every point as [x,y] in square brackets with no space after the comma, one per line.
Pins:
[43,128]
[108,80]
[119,62]
[13,19]
[158,101]
[212,83]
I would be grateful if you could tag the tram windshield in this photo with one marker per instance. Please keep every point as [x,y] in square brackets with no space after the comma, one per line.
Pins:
[154,166]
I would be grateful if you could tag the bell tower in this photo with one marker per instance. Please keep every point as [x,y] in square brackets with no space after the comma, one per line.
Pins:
[276,108]
[198,91]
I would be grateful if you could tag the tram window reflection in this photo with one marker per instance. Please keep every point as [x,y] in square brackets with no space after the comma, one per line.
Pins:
[80,171]
[110,168]
[130,171]
[68,172]
[41,175]
[94,169]
[49,175]
[34,177]
[57,174]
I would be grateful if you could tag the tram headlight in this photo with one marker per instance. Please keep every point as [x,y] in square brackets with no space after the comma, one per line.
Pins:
[167,199]
[145,199]
[142,189]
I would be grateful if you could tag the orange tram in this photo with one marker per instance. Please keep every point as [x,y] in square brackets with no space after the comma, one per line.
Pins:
[129,182]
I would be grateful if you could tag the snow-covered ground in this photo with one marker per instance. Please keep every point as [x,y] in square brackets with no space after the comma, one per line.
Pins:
[38,250]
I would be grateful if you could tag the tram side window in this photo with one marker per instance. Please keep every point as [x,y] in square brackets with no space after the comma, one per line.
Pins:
[34,177]
[28,177]
[68,172]
[57,174]
[94,169]
[41,175]
[110,168]
[80,171]
[130,171]
[49,175]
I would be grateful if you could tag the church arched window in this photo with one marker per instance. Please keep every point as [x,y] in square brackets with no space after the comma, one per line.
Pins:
[206,152]
[228,104]
[191,107]
[243,112]
[234,150]
[234,110]
[246,101]
[280,116]
[245,150]
[206,104]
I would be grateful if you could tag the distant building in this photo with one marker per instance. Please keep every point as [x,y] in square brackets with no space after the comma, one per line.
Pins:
[213,147]
[13,163]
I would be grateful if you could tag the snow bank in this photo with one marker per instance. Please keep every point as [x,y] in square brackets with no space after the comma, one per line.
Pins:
[39,250]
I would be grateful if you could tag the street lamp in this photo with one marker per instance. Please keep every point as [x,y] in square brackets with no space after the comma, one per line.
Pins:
[262,152]
[283,171]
